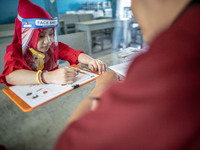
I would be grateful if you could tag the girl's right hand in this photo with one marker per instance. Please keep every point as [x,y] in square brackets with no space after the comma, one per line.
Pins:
[65,75]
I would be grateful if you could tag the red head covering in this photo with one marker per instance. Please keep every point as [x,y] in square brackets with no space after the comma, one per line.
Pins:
[27,10]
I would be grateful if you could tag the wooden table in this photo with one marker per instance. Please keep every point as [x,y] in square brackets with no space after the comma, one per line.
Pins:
[93,25]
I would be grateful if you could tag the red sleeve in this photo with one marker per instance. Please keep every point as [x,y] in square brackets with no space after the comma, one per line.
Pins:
[13,61]
[68,54]
[157,107]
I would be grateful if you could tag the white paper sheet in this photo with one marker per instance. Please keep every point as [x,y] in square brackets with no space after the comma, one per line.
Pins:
[121,68]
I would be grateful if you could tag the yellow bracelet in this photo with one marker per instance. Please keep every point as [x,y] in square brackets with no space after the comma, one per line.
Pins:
[38,74]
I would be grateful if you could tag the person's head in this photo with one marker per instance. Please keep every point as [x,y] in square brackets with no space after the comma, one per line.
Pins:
[27,10]
[45,40]
[154,16]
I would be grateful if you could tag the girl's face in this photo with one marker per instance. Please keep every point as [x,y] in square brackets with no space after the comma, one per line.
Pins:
[45,40]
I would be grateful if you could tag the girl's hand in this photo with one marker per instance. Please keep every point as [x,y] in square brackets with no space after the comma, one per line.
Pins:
[96,64]
[65,75]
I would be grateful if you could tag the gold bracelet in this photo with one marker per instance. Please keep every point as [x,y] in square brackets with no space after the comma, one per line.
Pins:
[38,74]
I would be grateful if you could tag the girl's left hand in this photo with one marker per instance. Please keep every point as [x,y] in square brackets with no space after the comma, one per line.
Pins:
[96,64]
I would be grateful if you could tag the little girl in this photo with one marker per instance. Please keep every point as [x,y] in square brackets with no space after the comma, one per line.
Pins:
[32,57]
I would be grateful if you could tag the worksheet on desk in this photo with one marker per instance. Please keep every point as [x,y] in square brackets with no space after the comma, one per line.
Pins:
[35,95]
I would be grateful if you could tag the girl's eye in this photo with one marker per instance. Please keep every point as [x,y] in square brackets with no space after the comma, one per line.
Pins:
[51,34]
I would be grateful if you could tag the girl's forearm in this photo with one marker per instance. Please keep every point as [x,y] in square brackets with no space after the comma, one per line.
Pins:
[22,77]
[84,59]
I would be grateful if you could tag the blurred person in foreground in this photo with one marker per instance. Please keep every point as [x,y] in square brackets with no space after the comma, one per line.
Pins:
[157,106]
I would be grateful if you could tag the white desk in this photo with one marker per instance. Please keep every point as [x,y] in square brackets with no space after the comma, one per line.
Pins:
[93,25]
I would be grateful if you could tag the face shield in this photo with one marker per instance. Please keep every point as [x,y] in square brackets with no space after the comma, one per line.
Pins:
[39,43]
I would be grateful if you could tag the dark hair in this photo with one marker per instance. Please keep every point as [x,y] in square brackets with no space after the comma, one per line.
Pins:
[192,2]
